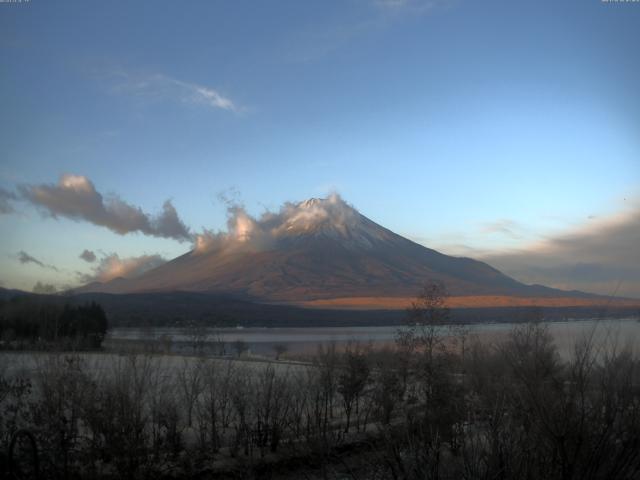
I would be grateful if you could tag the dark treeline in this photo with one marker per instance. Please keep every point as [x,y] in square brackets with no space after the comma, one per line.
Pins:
[179,309]
[434,407]
[37,321]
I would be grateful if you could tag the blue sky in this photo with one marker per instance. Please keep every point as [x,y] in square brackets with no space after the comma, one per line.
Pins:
[478,128]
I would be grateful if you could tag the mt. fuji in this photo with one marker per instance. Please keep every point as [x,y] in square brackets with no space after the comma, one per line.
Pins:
[324,252]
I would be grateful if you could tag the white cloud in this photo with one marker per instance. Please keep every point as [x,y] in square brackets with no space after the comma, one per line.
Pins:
[112,266]
[163,87]
[247,232]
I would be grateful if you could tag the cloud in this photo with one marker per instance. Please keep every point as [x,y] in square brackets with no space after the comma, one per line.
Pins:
[601,256]
[506,227]
[88,256]
[24,257]
[369,17]
[75,197]
[168,224]
[44,288]
[163,87]
[409,6]
[112,266]
[6,198]
[249,233]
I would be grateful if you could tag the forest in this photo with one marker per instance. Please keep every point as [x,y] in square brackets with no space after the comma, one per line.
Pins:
[38,322]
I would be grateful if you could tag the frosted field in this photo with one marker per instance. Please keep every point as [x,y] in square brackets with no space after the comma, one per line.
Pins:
[27,364]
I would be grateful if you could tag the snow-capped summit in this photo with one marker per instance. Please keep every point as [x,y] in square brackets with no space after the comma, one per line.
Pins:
[332,218]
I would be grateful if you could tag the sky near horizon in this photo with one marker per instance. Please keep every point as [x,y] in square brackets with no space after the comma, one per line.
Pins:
[504,131]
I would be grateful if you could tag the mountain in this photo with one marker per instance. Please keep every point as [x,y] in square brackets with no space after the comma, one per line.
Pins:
[322,252]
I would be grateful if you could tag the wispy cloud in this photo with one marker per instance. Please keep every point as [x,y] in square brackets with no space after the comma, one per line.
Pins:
[162,87]
[507,227]
[75,197]
[44,288]
[6,201]
[409,6]
[24,257]
[367,18]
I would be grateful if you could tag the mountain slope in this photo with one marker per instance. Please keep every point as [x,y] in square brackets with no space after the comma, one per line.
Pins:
[313,250]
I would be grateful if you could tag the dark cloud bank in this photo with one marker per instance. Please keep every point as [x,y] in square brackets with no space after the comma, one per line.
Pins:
[601,257]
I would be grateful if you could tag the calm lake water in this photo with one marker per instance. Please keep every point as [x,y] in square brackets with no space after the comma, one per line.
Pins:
[262,341]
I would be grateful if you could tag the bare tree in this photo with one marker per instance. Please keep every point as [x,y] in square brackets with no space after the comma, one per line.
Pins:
[219,344]
[166,343]
[387,391]
[271,407]
[280,349]
[197,335]
[426,317]
[190,383]
[352,380]
[241,347]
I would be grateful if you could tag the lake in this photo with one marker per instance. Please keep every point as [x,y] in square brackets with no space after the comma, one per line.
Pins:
[262,341]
